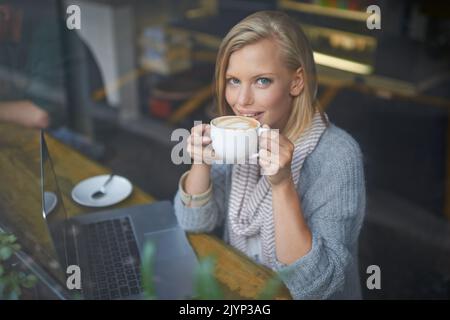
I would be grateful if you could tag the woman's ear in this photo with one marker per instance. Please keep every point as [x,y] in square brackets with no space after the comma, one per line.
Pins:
[297,82]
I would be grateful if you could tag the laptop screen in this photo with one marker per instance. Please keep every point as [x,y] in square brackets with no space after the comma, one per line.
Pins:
[54,215]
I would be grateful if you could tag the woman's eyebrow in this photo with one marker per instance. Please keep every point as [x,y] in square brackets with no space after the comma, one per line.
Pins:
[230,75]
[264,74]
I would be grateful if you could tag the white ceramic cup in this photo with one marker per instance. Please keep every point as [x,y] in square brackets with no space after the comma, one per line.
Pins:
[235,139]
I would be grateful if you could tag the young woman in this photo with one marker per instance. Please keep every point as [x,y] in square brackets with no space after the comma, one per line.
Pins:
[304,220]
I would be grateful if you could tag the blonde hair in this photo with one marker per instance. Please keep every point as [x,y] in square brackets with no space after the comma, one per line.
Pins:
[296,52]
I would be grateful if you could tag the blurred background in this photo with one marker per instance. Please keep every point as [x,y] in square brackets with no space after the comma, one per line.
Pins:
[136,70]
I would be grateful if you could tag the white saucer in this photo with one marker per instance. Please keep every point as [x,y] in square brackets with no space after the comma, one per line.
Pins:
[118,189]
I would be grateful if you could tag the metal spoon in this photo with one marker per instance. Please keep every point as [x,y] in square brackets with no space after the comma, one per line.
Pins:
[102,191]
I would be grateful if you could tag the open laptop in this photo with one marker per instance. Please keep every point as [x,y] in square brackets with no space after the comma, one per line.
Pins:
[107,245]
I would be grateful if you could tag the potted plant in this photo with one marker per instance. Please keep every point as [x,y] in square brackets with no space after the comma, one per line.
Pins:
[12,281]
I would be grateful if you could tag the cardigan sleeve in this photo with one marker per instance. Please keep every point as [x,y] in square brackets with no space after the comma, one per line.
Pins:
[211,214]
[334,208]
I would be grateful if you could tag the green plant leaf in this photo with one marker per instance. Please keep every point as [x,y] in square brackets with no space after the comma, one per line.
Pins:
[147,270]
[77,296]
[5,253]
[206,286]
[11,238]
[3,237]
[29,281]
[11,283]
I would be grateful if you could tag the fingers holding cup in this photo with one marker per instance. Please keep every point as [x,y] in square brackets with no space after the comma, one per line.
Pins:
[269,162]
[197,143]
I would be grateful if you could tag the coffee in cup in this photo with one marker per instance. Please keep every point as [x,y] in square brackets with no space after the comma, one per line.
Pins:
[235,139]
[236,122]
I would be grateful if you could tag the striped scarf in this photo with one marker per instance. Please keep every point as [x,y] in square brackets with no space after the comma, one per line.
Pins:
[250,204]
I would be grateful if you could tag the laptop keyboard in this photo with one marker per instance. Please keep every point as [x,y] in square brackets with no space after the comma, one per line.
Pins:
[113,260]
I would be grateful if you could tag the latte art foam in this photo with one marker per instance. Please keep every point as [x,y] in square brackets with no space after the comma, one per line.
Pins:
[236,122]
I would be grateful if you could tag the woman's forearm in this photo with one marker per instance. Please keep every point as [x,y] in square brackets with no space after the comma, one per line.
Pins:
[293,238]
[6,111]
[198,179]
[24,113]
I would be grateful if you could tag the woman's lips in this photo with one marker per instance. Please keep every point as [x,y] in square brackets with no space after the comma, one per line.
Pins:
[254,115]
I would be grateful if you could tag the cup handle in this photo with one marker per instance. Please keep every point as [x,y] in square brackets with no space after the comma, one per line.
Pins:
[259,131]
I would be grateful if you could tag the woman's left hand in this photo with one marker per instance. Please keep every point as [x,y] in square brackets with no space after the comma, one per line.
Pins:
[275,156]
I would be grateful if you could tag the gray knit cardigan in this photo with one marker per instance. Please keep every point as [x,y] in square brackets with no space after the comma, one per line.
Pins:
[333,199]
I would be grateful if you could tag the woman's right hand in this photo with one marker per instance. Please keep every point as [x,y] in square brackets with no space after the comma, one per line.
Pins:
[199,145]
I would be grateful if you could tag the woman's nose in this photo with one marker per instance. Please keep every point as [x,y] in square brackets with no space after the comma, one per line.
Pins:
[245,96]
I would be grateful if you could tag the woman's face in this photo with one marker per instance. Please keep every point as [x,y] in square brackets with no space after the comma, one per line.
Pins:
[259,85]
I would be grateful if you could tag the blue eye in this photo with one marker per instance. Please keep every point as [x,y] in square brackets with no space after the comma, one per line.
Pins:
[264,81]
[233,81]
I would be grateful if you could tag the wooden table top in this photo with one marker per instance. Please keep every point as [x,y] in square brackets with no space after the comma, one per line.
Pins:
[20,208]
